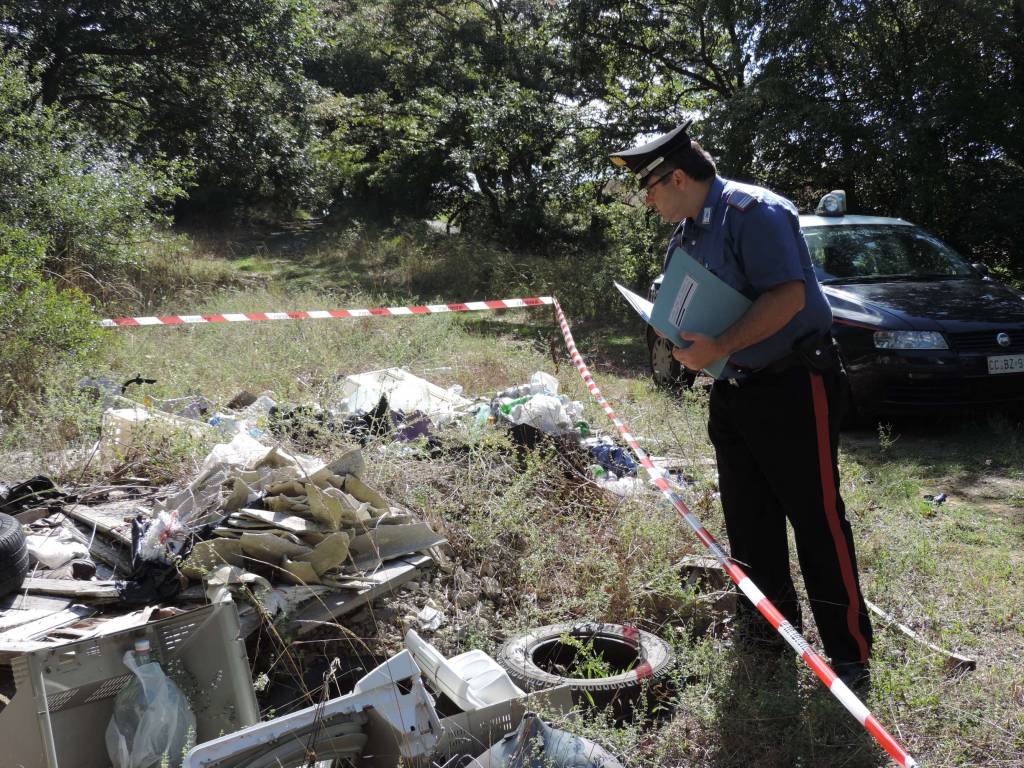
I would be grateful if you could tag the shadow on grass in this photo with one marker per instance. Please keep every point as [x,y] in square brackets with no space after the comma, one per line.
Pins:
[764,720]
[963,446]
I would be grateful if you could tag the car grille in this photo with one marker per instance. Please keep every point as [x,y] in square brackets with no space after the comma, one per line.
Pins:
[985,342]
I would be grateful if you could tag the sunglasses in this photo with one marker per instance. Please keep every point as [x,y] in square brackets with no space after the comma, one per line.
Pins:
[647,190]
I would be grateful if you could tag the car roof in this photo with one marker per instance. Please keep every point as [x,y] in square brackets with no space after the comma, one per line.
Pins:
[838,221]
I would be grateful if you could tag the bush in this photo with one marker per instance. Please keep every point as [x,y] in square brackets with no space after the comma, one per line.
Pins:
[91,205]
[41,325]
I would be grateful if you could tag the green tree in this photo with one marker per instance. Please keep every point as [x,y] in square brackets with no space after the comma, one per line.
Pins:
[42,325]
[913,109]
[475,110]
[219,83]
[91,206]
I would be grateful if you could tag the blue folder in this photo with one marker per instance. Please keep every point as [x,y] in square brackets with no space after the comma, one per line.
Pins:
[691,299]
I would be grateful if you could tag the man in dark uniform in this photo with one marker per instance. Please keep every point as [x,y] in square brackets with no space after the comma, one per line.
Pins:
[775,409]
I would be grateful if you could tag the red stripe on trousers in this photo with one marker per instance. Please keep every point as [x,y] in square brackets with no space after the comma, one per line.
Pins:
[828,490]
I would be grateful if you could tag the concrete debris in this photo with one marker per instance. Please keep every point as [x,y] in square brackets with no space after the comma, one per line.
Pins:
[491,587]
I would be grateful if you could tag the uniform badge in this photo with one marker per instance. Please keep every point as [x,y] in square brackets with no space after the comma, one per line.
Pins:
[740,200]
[705,217]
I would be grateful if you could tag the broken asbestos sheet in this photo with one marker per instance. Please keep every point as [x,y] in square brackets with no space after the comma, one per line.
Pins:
[296,538]
[290,518]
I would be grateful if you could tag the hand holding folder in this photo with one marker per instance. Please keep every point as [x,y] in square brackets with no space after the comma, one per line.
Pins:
[690,299]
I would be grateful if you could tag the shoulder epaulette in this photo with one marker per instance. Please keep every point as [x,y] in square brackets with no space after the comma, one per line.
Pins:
[739,199]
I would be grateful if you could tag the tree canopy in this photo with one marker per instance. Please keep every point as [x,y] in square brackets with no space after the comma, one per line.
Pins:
[499,114]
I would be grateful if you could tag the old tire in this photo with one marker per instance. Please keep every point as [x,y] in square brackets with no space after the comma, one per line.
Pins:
[645,658]
[13,555]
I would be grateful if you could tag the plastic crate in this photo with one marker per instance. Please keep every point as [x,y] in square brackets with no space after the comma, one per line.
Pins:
[65,694]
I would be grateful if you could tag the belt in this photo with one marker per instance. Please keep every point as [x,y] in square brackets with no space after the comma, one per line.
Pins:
[784,363]
[816,353]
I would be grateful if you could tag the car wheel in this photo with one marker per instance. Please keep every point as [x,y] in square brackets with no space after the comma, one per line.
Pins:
[574,654]
[665,369]
[13,555]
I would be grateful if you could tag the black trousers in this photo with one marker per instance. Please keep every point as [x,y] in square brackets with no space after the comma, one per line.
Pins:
[775,438]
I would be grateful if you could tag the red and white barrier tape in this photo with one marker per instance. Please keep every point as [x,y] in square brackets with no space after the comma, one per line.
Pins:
[319,314]
[821,668]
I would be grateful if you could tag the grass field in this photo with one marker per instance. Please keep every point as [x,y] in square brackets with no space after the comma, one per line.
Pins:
[559,549]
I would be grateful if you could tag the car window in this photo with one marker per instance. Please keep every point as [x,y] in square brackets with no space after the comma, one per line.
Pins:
[876,251]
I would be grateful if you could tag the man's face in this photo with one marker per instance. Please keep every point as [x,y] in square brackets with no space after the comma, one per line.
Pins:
[665,194]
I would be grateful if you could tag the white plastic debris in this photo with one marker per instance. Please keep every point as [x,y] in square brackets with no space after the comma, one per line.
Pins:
[621,486]
[123,428]
[242,451]
[542,383]
[166,534]
[395,693]
[547,413]
[404,392]
[55,547]
[473,680]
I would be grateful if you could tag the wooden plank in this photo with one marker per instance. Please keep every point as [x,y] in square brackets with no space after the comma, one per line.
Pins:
[19,601]
[110,625]
[331,605]
[73,588]
[38,629]
[11,619]
[31,515]
[113,518]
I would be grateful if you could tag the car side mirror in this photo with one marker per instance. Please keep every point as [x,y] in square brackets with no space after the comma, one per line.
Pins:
[981,268]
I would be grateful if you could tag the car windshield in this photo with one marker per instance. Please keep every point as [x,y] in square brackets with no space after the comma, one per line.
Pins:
[878,252]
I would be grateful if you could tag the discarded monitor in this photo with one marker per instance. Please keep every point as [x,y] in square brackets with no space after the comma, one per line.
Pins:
[65,694]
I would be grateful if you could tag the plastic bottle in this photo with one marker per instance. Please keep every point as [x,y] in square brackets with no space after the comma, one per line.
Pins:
[507,407]
[152,722]
[142,651]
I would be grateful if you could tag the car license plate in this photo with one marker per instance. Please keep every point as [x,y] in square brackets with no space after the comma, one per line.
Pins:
[1006,364]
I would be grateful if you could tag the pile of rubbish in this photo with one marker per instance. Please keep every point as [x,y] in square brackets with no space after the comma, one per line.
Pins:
[178,692]
[125,578]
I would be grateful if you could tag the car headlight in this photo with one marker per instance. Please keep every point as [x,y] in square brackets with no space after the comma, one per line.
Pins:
[910,340]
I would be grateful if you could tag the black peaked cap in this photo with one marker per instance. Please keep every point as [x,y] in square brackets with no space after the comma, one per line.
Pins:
[643,160]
